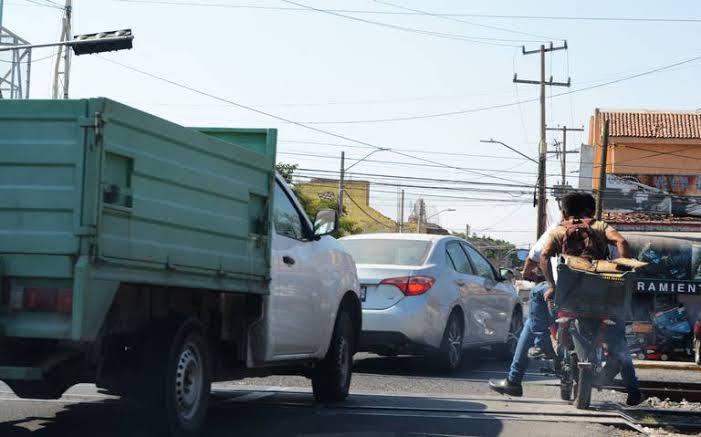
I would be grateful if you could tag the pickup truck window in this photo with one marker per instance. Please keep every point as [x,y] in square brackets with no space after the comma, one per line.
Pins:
[286,218]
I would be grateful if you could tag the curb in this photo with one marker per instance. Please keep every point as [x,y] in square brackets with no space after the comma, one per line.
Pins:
[667,365]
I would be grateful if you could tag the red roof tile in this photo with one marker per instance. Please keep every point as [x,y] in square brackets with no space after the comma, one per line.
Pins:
[650,124]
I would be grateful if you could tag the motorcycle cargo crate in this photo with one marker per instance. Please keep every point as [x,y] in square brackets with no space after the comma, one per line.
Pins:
[593,294]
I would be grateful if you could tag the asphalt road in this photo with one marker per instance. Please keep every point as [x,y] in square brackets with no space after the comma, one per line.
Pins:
[390,397]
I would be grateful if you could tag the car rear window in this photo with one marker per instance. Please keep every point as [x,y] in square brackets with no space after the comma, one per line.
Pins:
[388,251]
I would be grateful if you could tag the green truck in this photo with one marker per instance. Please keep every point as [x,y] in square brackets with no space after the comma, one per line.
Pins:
[152,259]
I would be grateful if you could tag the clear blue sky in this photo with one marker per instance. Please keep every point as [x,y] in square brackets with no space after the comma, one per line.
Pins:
[311,66]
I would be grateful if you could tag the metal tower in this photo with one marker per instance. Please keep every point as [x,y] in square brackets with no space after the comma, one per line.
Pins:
[62,69]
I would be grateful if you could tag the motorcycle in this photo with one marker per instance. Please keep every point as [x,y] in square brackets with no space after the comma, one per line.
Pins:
[583,361]
[587,305]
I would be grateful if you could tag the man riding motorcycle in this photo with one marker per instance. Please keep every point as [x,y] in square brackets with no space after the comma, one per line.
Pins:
[577,211]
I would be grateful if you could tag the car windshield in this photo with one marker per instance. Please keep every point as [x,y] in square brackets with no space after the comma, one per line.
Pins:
[387,251]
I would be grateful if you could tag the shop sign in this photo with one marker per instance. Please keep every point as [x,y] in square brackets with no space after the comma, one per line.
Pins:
[665,286]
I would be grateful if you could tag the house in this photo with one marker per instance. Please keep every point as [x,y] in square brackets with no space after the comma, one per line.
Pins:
[356,202]
[653,196]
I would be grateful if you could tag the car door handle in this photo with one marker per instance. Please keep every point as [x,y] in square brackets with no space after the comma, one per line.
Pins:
[288,260]
[460,282]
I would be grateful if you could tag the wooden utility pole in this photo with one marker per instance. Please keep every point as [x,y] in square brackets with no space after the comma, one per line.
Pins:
[401,213]
[542,146]
[564,151]
[602,171]
[341,184]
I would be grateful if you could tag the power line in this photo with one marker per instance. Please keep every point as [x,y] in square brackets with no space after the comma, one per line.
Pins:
[287,120]
[365,212]
[486,26]
[506,105]
[467,38]
[442,14]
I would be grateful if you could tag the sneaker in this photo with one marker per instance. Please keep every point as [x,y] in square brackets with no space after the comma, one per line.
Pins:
[537,353]
[506,387]
[634,398]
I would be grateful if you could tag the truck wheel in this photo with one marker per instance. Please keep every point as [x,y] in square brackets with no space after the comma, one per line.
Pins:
[450,353]
[179,375]
[332,376]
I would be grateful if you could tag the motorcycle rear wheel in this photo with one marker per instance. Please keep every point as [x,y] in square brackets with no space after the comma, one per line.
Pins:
[582,398]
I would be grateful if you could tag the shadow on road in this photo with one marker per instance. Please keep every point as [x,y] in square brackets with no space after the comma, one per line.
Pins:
[477,364]
[301,417]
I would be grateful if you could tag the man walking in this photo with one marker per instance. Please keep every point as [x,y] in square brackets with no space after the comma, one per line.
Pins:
[577,209]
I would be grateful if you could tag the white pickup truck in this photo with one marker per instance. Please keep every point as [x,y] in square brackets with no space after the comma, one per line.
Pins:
[153,259]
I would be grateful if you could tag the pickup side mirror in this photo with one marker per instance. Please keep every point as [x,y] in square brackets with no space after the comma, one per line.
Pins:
[325,223]
[506,274]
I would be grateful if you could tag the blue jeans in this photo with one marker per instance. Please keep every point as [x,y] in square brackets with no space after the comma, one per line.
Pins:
[535,332]
[618,346]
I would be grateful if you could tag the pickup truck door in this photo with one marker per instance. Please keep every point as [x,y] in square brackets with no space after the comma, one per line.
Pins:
[295,304]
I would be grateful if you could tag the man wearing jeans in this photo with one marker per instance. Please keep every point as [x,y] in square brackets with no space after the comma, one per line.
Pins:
[574,206]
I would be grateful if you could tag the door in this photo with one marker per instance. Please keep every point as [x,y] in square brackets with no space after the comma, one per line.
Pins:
[460,271]
[294,288]
[496,301]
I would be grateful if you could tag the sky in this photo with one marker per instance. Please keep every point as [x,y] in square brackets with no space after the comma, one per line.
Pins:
[357,81]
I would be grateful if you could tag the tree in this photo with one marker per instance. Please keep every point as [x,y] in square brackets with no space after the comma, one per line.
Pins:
[313,205]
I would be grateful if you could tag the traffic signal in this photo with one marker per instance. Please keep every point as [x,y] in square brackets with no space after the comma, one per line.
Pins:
[102,42]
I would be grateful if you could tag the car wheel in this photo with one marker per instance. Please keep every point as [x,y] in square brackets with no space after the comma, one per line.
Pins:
[450,352]
[506,351]
[331,378]
[179,379]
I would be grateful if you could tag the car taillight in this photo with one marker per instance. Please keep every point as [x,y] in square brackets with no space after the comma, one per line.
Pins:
[411,285]
[49,299]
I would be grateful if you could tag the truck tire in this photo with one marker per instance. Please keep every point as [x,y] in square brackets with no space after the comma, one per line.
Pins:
[450,353]
[582,398]
[331,377]
[178,378]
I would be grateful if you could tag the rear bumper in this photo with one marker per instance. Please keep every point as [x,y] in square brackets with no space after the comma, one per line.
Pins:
[410,321]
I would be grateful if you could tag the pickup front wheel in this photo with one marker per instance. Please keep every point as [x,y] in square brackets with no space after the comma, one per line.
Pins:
[332,376]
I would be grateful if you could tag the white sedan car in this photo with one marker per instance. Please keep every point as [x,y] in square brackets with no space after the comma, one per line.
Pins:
[432,294]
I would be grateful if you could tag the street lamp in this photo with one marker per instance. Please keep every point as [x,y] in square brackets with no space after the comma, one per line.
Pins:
[441,211]
[492,141]
[88,43]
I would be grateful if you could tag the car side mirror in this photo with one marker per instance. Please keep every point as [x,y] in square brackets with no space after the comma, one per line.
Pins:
[506,274]
[325,223]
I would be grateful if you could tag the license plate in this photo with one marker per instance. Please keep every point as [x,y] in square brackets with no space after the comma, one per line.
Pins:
[363,292]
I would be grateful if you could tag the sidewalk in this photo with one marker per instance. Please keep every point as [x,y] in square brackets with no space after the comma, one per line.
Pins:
[669,365]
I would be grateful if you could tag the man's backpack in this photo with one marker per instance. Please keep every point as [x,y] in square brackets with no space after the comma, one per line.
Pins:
[580,240]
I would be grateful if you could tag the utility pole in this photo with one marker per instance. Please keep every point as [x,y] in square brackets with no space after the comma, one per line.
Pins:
[401,213]
[602,171]
[64,55]
[467,231]
[542,146]
[341,184]
[563,159]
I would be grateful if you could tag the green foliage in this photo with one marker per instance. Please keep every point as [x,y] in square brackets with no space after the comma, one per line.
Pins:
[313,205]
[287,171]
[494,249]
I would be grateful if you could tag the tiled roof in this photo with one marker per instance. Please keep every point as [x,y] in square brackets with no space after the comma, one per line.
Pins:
[638,217]
[651,124]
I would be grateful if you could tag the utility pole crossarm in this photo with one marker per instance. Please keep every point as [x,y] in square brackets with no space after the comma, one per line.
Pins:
[537,82]
[544,49]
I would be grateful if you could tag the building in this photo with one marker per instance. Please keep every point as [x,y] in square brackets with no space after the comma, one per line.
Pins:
[653,196]
[356,202]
